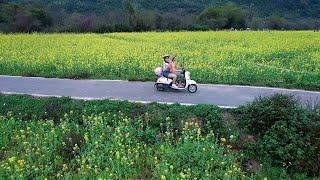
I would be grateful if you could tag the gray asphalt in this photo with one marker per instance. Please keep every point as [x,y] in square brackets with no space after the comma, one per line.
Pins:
[222,95]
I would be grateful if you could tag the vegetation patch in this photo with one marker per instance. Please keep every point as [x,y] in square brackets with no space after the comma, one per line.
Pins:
[65,138]
[280,59]
[286,134]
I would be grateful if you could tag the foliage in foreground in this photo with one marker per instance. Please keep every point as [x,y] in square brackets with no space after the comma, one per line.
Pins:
[27,108]
[111,145]
[54,137]
[282,59]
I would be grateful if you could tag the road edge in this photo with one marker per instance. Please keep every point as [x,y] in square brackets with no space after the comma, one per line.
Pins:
[101,99]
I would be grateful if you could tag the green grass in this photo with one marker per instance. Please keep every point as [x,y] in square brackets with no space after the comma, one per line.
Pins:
[282,59]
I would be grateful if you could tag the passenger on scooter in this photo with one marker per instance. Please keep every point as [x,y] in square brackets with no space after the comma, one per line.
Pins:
[165,62]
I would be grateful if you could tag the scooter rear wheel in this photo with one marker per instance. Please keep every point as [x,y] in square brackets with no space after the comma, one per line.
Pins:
[160,87]
[192,88]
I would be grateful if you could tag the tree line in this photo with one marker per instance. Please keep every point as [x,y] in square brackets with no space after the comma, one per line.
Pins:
[19,17]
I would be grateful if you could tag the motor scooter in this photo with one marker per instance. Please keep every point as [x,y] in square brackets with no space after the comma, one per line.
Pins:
[163,83]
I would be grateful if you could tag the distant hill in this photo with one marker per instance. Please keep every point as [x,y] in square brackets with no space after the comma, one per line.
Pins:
[294,8]
[113,15]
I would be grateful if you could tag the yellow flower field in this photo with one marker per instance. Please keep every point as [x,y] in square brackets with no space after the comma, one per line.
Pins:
[282,59]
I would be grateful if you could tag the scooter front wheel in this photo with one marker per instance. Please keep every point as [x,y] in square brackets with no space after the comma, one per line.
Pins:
[192,88]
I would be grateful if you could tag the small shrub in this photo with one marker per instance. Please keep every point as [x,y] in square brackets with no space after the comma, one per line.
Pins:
[264,112]
[286,133]
[54,111]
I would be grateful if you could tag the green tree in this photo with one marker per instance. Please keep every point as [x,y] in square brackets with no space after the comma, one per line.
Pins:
[129,7]
[224,17]
[276,22]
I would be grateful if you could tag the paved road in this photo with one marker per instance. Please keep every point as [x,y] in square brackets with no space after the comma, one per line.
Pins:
[221,95]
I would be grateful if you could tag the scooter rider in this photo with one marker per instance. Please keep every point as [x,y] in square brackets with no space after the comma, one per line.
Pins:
[179,72]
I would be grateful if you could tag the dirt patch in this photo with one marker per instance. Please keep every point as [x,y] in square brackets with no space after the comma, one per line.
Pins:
[229,119]
[248,138]
[253,165]
[1,158]
[146,172]
[228,116]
